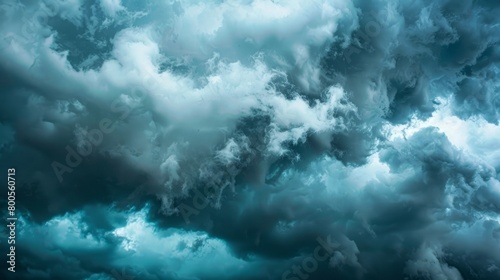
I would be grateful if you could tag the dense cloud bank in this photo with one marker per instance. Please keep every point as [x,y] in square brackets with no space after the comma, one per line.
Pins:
[252,139]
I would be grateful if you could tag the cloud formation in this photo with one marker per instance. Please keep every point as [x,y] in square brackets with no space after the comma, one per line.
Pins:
[249,139]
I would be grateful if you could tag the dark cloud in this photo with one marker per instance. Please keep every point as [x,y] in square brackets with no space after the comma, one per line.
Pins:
[239,140]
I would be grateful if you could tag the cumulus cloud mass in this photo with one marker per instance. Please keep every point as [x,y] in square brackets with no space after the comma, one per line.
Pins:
[251,139]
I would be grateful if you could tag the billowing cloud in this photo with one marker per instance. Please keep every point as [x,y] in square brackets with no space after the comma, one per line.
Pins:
[252,139]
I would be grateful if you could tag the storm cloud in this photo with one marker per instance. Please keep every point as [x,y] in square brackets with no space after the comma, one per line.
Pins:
[259,139]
